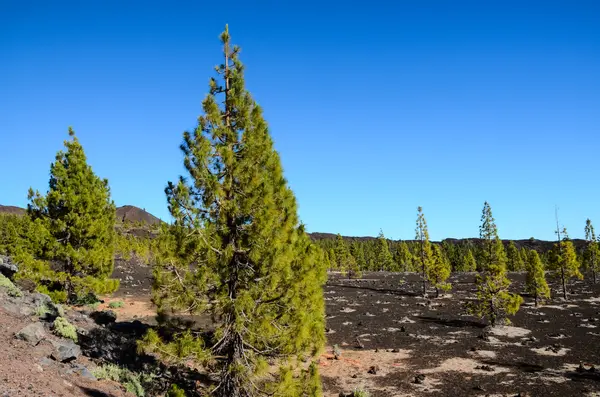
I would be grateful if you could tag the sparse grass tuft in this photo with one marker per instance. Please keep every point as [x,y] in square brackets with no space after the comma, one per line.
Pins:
[116,304]
[42,310]
[11,289]
[63,328]
[358,392]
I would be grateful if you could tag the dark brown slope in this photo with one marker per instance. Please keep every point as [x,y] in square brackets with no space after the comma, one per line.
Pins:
[130,213]
[126,213]
[11,210]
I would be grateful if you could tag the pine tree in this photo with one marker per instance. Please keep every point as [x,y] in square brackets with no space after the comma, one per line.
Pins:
[79,215]
[424,253]
[494,301]
[358,253]
[563,259]
[592,252]
[515,262]
[536,283]
[470,264]
[439,271]
[383,255]
[236,251]
[332,259]
[346,263]
[404,257]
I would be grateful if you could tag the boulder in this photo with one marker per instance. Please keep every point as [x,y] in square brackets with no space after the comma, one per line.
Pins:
[81,370]
[65,350]
[32,333]
[7,267]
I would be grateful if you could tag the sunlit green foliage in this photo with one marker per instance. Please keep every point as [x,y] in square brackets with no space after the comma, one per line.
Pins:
[133,383]
[424,255]
[592,251]
[563,261]
[76,218]
[383,257]
[536,283]
[439,270]
[10,288]
[236,250]
[469,262]
[63,328]
[514,261]
[494,301]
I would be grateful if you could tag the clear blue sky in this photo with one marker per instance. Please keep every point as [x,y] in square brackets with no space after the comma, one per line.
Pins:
[375,108]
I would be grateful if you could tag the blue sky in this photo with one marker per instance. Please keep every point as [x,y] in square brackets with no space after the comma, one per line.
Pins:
[375,108]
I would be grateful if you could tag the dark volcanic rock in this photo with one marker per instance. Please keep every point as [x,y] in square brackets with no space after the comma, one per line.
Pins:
[7,267]
[65,350]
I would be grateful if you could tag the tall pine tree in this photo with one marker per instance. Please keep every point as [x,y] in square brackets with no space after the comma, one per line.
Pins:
[79,215]
[237,251]
[592,252]
[424,247]
[494,301]
[383,256]
[563,259]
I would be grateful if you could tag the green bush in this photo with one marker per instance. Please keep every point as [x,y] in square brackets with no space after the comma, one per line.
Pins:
[176,391]
[116,304]
[11,289]
[131,381]
[63,328]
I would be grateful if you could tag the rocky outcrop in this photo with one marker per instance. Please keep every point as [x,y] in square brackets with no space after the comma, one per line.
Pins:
[32,333]
[65,350]
[7,267]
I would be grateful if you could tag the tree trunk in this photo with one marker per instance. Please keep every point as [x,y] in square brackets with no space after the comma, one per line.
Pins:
[233,383]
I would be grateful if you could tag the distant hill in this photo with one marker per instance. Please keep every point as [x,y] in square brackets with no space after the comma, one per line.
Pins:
[130,213]
[126,213]
[11,210]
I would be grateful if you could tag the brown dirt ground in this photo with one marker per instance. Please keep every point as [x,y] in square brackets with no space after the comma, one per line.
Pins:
[27,371]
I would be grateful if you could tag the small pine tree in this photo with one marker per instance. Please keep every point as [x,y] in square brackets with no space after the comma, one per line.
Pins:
[237,252]
[439,271]
[79,215]
[424,251]
[536,283]
[494,300]
[592,252]
[563,260]
[514,261]
[470,263]
[383,256]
